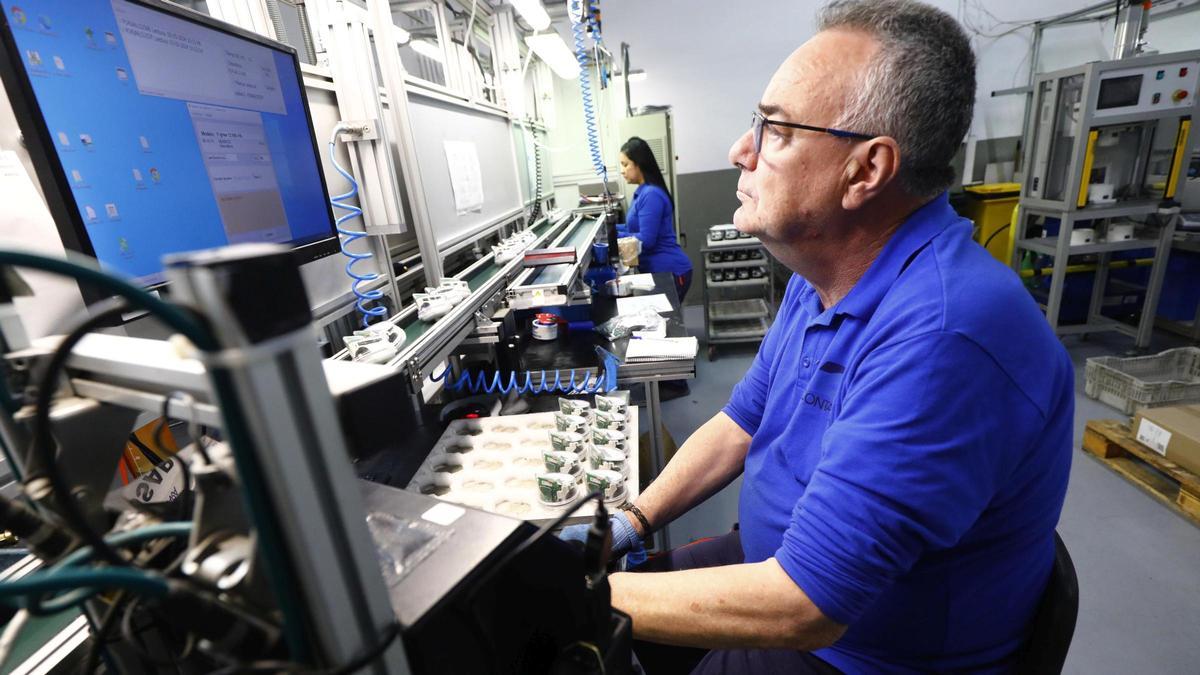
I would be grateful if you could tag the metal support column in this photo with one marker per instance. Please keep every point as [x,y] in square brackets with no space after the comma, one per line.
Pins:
[1157,273]
[1058,277]
[658,461]
[383,27]
[1100,282]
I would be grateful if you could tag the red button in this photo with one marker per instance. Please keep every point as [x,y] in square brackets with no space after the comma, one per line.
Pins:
[1179,95]
[1183,72]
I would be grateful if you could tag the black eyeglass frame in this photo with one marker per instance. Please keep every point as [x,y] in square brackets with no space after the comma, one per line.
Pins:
[760,120]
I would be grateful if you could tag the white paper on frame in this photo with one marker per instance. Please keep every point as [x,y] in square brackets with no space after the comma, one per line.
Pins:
[466,178]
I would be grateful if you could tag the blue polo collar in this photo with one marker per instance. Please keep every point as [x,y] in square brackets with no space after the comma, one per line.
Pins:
[918,230]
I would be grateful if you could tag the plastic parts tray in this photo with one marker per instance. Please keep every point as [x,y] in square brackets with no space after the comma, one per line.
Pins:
[1130,384]
[491,463]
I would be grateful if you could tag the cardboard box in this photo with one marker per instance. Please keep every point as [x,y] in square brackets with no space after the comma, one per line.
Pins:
[1173,432]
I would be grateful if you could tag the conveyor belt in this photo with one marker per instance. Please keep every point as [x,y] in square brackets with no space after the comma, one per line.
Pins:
[476,278]
[550,285]
[427,343]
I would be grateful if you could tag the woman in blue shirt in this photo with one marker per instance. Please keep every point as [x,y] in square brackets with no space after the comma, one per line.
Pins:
[651,216]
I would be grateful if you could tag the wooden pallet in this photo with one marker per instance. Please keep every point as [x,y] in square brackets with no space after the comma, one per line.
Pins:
[1117,448]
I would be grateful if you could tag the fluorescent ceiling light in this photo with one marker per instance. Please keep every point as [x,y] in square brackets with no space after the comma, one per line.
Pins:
[532,11]
[551,49]
[637,76]
[400,35]
[427,49]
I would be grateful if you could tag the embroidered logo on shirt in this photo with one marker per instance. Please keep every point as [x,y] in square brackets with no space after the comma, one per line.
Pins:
[831,367]
[818,402]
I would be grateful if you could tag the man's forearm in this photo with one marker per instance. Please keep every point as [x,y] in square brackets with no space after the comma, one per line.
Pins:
[707,462]
[751,606]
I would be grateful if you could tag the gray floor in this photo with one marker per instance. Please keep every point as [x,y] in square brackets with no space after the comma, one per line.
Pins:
[1138,563]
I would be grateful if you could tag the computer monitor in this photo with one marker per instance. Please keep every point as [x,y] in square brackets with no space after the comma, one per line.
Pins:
[155,129]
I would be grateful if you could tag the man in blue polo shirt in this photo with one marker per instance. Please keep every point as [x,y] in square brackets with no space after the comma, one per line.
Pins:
[904,433]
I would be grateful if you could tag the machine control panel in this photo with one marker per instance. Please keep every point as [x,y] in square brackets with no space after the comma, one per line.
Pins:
[1144,89]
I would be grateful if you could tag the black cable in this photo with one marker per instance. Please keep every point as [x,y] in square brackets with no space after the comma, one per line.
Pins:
[354,665]
[146,450]
[185,494]
[536,211]
[370,656]
[92,660]
[132,635]
[46,539]
[165,420]
[43,445]
[535,538]
[993,235]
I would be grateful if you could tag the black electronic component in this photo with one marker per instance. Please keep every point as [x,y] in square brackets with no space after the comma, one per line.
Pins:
[45,539]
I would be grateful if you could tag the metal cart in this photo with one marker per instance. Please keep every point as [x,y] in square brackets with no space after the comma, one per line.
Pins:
[739,294]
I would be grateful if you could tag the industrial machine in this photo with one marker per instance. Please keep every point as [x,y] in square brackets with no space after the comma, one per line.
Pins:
[278,557]
[268,531]
[1107,146]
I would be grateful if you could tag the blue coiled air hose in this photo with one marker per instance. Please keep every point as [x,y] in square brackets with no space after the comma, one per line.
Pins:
[578,29]
[604,381]
[347,237]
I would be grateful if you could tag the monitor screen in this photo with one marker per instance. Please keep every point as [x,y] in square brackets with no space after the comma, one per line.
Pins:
[1119,92]
[164,131]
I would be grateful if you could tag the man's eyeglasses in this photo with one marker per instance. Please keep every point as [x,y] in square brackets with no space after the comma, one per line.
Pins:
[760,120]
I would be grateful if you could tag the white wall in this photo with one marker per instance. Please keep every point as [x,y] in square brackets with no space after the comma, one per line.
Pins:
[711,59]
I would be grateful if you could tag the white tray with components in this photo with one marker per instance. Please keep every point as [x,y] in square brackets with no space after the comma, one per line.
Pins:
[493,464]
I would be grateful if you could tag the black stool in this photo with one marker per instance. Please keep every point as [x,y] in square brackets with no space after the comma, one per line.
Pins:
[1054,621]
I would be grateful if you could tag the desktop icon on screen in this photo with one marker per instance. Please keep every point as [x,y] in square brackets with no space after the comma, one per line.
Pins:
[64,139]
[137,175]
[110,38]
[91,36]
[35,59]
[91,213]
[18,16]
[58,63]
[145,142]
[45,22]
[111,210]
[122,74]
[78,177]
[86,139]
[155,175]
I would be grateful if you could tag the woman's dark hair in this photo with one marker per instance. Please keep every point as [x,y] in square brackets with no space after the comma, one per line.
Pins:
[638,152]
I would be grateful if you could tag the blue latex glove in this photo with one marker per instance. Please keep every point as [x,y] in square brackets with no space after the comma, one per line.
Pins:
[625,539]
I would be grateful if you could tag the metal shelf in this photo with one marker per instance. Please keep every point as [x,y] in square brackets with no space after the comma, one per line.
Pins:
[734,264]
[1049,246]
[1094,212]
[726,244]
[733,310]
[744,329]
[738,310]
[761,281]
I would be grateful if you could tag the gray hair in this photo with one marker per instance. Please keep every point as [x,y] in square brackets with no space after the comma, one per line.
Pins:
[919,89]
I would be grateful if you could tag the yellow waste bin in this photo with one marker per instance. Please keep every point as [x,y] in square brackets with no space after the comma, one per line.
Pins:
[990,206]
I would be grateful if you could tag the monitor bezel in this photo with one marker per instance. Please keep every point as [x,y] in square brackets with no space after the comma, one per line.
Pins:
[51,176]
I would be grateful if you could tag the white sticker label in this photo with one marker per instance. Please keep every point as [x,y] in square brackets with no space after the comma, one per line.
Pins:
[443,514]
[1153,436]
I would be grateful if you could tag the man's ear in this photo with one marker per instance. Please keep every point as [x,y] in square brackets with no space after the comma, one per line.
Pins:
[870,168]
